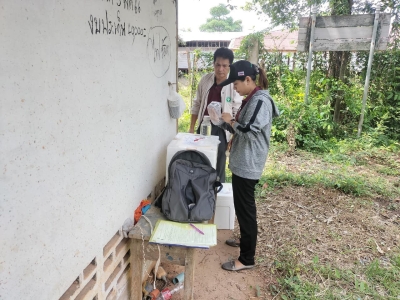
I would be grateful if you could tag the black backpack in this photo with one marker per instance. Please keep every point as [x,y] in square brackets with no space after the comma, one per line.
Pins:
[189,195]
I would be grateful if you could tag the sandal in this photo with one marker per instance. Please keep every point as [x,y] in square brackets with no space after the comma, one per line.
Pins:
[230,266]
[232,242]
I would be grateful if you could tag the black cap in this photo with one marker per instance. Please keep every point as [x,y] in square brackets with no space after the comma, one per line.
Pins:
[239,70]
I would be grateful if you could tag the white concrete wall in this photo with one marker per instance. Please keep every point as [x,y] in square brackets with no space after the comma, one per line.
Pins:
[84,126]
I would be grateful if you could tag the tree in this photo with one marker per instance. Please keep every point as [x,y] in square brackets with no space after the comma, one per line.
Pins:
[287,12]
[220,22]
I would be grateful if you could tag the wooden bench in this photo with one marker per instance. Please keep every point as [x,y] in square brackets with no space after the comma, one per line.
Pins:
[141,250]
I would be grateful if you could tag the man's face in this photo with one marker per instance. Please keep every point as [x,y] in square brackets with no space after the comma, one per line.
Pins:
[221,68]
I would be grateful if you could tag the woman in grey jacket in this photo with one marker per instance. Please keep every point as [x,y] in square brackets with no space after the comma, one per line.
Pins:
[248,152]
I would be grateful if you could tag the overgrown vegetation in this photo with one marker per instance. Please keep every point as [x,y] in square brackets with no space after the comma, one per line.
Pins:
[314,124]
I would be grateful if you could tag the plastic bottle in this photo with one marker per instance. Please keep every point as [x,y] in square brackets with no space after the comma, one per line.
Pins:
[166,294]
[205,128]
[179,278]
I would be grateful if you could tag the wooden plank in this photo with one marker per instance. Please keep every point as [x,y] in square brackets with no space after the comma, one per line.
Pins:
[343,33]
[302,37]
[382,44]
[153,214]
[136,262]
[385,19]
[304,22]
[382,38]
[351,20]
[345,21]
[331,46]
[301,46]
[384,31]
[303,31]
[342,45]
[343,41]
[189,273]
[348,44]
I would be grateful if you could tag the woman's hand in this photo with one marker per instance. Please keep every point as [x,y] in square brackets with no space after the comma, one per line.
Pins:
[226,117]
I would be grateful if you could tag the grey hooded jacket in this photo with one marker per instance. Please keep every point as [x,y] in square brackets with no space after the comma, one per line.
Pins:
[251,138]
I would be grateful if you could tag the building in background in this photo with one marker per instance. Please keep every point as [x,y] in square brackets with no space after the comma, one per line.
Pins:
[283,42]
[279,41]
[203,41]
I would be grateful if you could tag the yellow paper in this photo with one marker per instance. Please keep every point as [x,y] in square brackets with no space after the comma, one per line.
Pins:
[182,234]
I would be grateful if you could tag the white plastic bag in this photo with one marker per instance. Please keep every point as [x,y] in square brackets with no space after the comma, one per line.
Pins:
[176,105]
[214,111]
[127,226]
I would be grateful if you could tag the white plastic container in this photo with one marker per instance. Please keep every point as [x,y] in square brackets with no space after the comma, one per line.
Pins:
[225,210]
[188,141]
[205,127]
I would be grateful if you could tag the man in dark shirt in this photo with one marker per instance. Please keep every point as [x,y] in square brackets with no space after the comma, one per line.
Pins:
[209,91]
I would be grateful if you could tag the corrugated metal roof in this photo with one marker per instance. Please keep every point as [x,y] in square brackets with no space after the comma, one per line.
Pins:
[281,40]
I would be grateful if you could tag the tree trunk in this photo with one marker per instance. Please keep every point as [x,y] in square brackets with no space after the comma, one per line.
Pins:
[294,62]
[253,51]
[339,61]
[339,99]
[188,62]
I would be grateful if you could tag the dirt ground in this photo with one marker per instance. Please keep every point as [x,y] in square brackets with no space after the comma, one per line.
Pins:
[212,282]
[297,224]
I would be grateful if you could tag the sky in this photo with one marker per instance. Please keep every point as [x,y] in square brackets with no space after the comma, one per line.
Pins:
[193,13]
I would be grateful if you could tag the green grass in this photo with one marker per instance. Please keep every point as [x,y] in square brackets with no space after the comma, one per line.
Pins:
[340,179]
[376,280]
[184,120]
[389,171]
[360,152]
[354,173]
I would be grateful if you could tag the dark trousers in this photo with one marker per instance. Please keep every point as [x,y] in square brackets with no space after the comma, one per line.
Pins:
[246,213]
[221,156]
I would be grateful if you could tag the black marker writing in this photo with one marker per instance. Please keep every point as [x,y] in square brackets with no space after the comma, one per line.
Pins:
[106,26]
[132,5]
[159,50]
[158,12]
